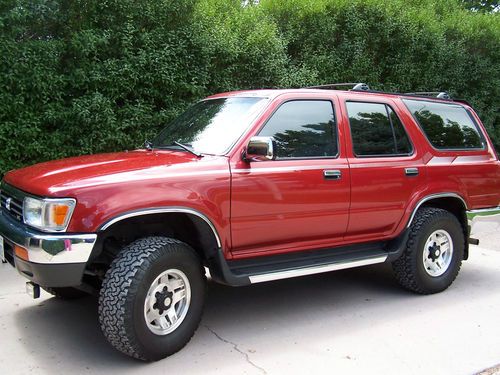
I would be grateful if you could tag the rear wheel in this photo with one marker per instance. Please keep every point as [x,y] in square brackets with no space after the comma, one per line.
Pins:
[433,254]
[152,298]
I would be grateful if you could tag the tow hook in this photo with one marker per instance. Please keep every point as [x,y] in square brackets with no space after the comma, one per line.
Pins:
[33,290]
[473,241]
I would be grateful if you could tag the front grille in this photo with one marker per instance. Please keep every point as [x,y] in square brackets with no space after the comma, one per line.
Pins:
[11,205]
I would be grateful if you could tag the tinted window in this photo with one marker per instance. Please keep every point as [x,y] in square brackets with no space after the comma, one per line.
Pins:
[376,130]
[447,126]
[403,145]
[303,128]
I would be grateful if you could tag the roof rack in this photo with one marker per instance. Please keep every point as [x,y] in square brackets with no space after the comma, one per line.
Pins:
[437,94]
[364,87]
[358,86]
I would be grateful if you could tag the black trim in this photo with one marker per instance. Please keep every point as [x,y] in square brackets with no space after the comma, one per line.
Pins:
[304,259]
[51,275]
[220,272]
[397,246]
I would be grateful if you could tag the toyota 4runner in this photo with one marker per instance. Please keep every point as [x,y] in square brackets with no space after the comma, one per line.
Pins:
[255,186]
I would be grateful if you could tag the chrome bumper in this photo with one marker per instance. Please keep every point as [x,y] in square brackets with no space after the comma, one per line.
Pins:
[44,248]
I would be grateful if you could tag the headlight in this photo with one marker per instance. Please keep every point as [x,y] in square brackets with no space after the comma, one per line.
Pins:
[48,214]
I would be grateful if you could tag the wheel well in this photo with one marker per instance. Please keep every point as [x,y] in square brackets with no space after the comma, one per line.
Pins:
[184,227]
[456,207]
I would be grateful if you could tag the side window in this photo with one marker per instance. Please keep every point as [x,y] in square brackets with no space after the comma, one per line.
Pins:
[302,129]
[376,130]
[447,126]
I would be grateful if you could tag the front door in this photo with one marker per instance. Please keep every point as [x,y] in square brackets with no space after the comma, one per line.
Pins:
[301,199]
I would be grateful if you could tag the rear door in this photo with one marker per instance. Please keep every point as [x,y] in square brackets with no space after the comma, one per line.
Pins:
[386,167]
[301,199]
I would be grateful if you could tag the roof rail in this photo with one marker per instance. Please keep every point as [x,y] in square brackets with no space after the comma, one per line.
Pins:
[437,94]
[358,86]
[364,87]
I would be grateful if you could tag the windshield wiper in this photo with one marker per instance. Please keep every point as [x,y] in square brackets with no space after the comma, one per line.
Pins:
[188,149]
[148,145]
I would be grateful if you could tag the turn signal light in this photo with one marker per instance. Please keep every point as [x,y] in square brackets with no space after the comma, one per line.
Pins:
[59,212]
[21,252]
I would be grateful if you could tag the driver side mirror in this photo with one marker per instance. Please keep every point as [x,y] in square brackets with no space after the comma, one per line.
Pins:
[260,149]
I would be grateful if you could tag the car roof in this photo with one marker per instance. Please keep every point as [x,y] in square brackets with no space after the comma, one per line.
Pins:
[273,93]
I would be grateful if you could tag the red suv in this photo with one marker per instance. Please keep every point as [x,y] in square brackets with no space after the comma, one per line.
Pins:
[255,186]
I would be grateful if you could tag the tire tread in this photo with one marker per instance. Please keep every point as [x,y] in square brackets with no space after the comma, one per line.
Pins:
[118,285]
[404,268]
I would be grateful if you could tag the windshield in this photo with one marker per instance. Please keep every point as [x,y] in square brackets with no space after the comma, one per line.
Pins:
[211,126]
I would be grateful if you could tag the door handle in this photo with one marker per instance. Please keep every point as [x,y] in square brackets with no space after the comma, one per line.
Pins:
[411,172]
[332,174]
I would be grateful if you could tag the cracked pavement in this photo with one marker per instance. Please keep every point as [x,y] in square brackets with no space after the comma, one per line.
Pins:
[235,347]
[350,321]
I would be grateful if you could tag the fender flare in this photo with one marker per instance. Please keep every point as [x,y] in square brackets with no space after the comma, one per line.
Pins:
[162,210]
[434,196]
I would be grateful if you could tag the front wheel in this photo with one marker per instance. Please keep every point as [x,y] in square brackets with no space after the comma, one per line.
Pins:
[433,254]
[152,298]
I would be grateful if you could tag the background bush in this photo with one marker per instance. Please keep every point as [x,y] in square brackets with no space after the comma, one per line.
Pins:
[86,76]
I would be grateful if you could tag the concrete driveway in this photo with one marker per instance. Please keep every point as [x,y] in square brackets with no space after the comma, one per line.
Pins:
[352,321]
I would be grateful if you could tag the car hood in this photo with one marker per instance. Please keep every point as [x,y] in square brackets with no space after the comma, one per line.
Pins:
[54,177]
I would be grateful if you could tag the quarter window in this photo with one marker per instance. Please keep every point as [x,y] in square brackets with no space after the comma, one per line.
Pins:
[447,126]
[303,129]
[376,130]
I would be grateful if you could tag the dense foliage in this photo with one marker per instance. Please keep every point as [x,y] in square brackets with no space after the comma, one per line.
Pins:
[86,76]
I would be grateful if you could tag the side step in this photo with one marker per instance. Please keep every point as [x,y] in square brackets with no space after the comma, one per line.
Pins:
[268,268]
[259,278]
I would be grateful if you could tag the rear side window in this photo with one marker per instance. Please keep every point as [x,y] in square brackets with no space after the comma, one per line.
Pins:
[303,129]
[376,130]
[447,126]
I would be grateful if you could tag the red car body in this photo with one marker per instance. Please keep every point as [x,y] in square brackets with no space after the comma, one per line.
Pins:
[274,206]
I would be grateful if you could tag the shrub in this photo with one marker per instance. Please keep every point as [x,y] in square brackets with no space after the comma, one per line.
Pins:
[97,76]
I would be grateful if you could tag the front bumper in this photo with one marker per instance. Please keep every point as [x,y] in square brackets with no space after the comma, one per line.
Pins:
[54,260]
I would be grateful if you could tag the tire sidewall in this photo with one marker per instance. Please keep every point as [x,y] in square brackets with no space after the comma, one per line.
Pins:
[158,346]
[451,225]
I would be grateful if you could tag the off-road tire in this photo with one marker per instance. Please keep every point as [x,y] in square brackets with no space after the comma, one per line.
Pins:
[123,293]
[66,293]
[409,268]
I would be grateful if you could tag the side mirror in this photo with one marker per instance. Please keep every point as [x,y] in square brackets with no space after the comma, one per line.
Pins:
[260,149]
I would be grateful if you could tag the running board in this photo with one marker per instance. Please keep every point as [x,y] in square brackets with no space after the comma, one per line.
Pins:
[268,268]
[314,270]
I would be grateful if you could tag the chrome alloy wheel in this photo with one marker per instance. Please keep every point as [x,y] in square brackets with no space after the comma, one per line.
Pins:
[167,302]
[438,252]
